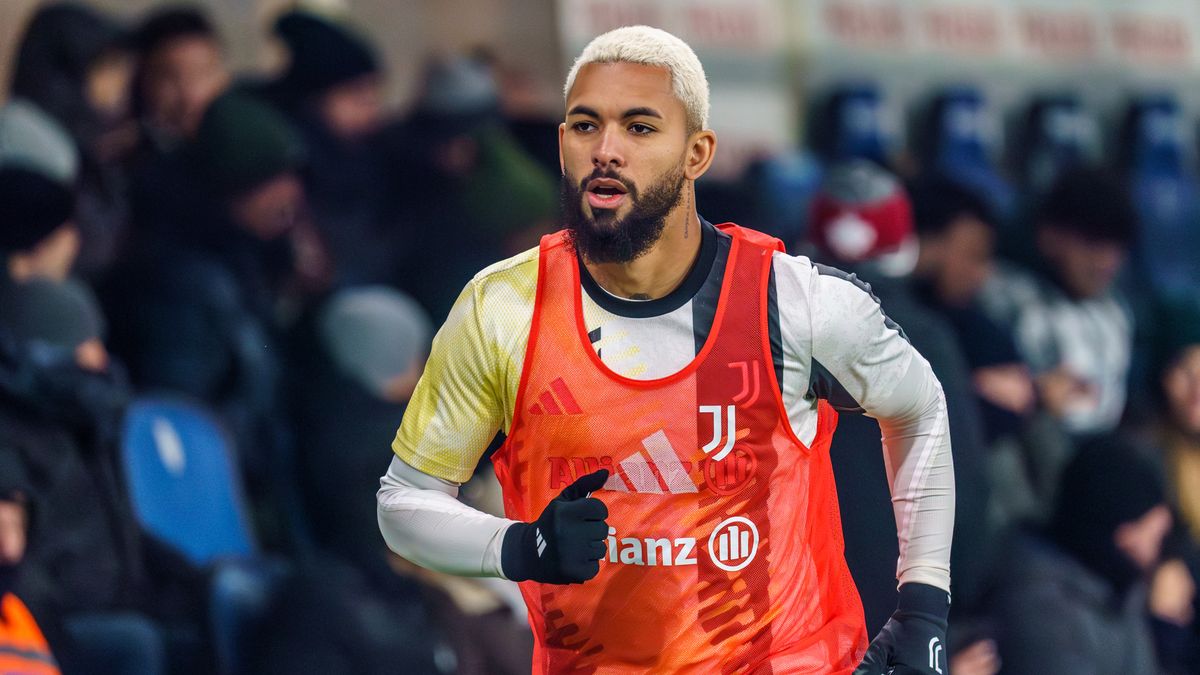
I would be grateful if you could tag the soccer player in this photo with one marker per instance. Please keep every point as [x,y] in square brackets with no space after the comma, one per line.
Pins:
[663,384]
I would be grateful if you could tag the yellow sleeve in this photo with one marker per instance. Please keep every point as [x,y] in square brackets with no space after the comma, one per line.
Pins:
[469,386]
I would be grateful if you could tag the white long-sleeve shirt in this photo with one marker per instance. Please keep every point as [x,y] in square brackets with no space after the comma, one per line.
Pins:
[830,339]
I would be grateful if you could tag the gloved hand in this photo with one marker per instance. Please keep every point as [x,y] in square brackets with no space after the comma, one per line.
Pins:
[564,545]
[913,641]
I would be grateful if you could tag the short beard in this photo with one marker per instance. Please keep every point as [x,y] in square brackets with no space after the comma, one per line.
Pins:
[602,238]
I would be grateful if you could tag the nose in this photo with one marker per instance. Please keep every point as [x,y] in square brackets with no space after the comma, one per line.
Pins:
[607,151]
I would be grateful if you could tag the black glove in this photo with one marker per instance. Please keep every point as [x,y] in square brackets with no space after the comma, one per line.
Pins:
[913,641]
[565,544]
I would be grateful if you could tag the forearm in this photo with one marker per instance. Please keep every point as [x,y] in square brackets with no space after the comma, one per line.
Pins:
[920,467]
[422,521]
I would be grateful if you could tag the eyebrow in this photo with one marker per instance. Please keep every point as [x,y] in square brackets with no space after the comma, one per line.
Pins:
[632,112]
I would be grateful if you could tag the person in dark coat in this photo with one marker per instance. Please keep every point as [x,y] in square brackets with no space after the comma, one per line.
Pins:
[332,92]
[200,305]
[181,70]
[1071,598]
[494,200]
[74,65]
[60,409]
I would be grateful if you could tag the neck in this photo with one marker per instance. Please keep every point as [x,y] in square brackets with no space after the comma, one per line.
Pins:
[661,269]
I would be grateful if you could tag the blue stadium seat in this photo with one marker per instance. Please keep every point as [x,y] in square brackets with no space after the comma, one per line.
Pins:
[1164,190]
[1057,133]
[958,137]
[182,481]
[853,123]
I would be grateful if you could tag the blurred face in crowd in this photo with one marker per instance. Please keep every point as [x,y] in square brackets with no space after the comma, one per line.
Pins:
[626,156]
[51,258]
[107,87]
[1181,383]
[271,209]
[12,533]
[1141,540]
[1085,266]
[958,260]
[181,78]
[354,110]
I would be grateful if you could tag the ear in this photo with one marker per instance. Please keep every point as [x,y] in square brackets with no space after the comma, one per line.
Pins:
[702,147]
[562,164]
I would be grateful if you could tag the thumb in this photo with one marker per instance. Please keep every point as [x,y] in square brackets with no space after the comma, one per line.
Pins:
[584,485]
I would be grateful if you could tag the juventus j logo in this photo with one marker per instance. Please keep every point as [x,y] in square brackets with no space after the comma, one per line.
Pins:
[727,435]
[935,653]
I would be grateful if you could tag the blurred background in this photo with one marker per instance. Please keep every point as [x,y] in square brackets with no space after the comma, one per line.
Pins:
[231,228]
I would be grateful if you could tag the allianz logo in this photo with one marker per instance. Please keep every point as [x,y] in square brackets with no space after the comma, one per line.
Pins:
[731,546]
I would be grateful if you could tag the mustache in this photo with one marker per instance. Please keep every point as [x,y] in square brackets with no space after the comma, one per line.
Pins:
[597,174]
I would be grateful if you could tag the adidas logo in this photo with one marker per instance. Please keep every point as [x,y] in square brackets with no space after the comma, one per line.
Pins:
[655,469]
[557,400]
[541,542]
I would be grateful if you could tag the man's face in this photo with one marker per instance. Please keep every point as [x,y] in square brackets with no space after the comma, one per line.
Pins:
[271,209]
[354,110]
[964,259]
[1181,383]
[1087,267]
[622,149]
[181,79]
[12,533]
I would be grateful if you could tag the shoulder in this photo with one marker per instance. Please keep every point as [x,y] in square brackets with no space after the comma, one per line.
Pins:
[793,274]
[498,301]
[507,285]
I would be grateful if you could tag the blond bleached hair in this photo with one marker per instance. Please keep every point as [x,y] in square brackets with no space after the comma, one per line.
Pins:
[649,46]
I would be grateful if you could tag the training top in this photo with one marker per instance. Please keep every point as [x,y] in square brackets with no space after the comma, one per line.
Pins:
[829,342]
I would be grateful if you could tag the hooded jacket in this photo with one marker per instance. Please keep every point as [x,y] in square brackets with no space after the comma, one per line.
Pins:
[59,423]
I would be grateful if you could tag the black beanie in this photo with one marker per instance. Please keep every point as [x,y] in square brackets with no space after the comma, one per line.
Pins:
[242,143]
[1108,483]
[324,53]
[31,207]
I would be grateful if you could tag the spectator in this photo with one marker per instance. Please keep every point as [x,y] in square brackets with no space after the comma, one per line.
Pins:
[72,64]
[1072,598]
[491,192]
[1026,449]
[60,407]
[23,648]
[957,241]
[358,362]
[1071,325]
[366,350]
[332,91]
[196,309]
[1178,431]
[861,220]
[38,169]
[181,69]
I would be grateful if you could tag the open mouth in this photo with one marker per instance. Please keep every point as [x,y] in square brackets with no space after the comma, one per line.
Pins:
[605,193]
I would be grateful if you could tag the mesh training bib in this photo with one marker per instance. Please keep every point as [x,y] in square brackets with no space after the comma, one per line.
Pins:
[725,549]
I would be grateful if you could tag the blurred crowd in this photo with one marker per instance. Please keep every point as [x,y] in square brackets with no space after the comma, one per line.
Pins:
[219,291]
